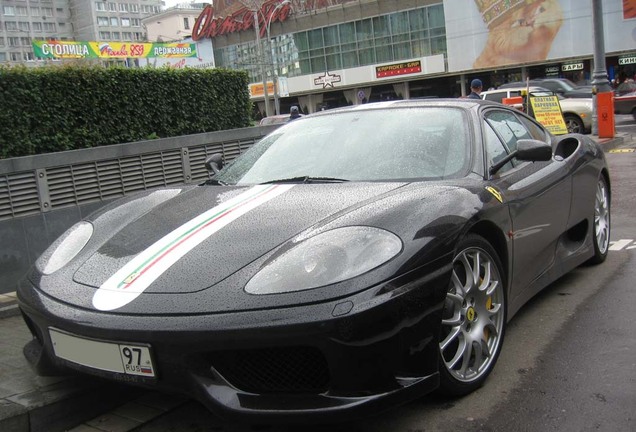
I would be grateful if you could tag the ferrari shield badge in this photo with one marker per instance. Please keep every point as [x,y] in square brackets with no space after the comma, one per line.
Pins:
[495,193]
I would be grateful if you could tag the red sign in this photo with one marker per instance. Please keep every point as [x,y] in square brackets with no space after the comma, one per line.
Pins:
[398,69]
[206,26]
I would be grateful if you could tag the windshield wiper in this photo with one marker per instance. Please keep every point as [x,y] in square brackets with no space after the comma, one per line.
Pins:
[307,179]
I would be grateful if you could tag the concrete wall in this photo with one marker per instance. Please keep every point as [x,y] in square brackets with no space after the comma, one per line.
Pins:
[41,196]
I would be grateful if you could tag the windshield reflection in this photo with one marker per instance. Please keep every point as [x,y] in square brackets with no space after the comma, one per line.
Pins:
[389,144]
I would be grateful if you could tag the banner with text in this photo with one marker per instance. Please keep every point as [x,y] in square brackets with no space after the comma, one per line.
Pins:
[109,50]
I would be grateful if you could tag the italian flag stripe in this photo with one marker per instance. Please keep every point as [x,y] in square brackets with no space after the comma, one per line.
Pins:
[135,277]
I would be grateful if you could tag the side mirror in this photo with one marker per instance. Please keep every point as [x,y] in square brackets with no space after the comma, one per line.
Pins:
[527,150]
[214,163]
[533,150]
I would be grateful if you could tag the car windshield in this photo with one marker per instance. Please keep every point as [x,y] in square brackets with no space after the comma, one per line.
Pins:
[358,145]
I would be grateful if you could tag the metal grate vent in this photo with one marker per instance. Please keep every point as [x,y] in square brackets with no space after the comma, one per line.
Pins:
[101,180]
[18,195]
[274,370]
[229,150]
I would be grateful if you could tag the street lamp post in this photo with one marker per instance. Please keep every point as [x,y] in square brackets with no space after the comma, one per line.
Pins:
[274,63]
[599,76]
[261,60]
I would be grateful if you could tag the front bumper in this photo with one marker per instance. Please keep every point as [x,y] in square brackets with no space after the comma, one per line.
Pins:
[336,360]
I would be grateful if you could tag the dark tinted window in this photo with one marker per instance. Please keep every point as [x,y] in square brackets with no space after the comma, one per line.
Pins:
[496,97]
[508,127]
[495,149]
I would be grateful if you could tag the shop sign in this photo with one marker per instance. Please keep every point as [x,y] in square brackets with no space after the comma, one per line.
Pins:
[256,89]
[572,67]
[552,70]
[626,60]
[327,80]
[547,111]
[398,69]
[207,26]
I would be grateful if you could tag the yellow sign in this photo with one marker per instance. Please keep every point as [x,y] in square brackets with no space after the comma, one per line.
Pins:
[547,111]
[257,89]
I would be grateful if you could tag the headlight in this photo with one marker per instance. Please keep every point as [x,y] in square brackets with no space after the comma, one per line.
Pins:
[65,248]
[326,258]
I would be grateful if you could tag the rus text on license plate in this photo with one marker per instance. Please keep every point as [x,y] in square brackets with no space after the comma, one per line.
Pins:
[115,357]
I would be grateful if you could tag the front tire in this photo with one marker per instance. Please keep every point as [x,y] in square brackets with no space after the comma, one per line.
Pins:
[602,220]
[474,318]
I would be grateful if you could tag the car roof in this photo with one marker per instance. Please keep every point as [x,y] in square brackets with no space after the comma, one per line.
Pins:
[464,103]
[509,89]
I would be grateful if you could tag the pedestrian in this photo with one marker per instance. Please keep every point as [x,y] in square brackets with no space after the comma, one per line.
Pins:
[475,89]
[293,113]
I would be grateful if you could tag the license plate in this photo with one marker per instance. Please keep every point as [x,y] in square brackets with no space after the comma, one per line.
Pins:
[130,359]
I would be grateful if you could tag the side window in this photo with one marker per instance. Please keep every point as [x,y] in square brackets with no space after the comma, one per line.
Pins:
[495,149]
[535,130]
[496,97]
[508,127]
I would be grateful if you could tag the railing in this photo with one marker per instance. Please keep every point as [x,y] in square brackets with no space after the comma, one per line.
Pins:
[41,196]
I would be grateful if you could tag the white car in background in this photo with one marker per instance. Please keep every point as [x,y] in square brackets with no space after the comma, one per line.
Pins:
[577,112]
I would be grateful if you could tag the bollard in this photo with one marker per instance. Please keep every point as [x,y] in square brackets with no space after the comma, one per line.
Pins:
[605,114]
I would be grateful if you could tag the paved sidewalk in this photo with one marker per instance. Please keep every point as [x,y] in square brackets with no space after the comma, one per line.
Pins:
[29,403]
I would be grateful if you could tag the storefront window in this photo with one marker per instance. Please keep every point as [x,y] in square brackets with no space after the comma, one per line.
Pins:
[382,39]
[364,30]
[331,36]
[438,45]
[402,51]
[367,56]
[350,59]
[334,62]
[318,64]
[436,16]
[347,33]
[384,54]
[302,43]
[418,19]
[315,39]
[421,48]
[381,26]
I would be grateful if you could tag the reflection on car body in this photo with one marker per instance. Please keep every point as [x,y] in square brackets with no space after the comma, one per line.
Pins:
[348,262]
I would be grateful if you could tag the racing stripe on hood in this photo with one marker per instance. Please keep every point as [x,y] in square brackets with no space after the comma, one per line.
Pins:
[137,275]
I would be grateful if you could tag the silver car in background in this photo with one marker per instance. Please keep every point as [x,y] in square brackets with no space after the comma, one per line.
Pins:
[577,112]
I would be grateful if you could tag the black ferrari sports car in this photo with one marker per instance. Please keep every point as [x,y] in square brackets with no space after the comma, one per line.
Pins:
[348,262]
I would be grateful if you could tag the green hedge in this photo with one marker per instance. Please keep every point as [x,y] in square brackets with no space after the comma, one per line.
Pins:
[51,109]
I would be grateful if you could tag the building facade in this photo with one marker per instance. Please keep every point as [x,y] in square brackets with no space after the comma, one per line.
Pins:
[340,52]
[172,24]
[22,21]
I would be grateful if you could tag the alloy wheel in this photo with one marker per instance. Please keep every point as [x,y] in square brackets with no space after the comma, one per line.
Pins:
[474,314]
[601,217]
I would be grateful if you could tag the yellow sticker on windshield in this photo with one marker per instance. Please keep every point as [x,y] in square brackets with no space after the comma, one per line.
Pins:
[495,193]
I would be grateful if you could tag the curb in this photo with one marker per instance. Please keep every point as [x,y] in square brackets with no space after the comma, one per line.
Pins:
[63,406]
[609,143]
[8,305]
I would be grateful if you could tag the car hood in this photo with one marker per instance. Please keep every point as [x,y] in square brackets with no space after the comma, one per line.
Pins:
[199,271]
[225,228]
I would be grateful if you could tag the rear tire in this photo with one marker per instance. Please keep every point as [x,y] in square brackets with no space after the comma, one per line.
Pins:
[602,222]
[474,318]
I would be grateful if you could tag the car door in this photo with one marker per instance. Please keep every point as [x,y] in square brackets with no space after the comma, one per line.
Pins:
[538,195]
